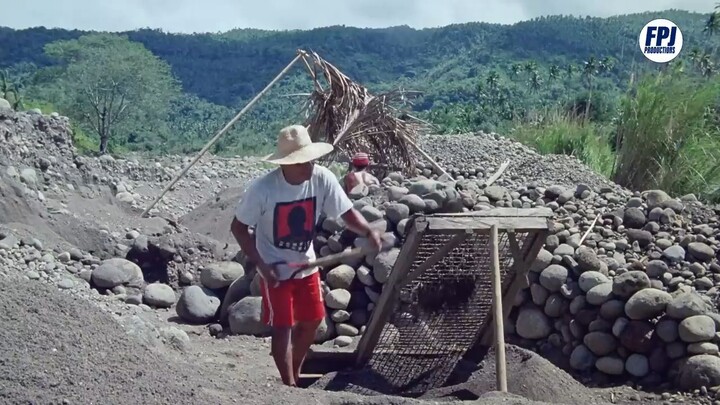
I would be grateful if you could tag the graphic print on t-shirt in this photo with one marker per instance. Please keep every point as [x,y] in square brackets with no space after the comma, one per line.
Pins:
[294,224]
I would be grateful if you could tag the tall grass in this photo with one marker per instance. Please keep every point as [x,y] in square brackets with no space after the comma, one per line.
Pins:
[560,133]
[668,136]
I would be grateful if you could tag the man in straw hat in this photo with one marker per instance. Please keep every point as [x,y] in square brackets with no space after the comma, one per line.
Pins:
[284,206]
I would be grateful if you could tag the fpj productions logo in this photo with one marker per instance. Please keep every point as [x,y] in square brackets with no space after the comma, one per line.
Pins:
[660,40]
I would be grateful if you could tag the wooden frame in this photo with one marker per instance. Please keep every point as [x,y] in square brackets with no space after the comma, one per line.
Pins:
[534,221]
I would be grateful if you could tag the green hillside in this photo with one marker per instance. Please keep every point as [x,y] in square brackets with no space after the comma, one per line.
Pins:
[472,76]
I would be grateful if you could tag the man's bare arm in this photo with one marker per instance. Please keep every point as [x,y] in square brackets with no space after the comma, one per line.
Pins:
[242,235]
[241,232]
[356,222]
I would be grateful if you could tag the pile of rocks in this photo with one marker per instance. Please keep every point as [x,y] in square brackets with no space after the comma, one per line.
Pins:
[635,297]
[37,150]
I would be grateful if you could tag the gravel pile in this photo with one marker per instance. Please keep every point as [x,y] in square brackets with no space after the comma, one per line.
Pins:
[479,156]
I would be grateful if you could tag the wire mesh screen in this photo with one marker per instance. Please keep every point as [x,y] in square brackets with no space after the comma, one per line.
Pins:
[440,314]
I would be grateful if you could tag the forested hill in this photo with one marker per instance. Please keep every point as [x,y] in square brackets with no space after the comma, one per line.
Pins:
[228,67]
[475,76]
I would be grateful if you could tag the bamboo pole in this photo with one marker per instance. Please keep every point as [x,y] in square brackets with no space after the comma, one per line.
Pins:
[500,365]
[426,156]
[222,132]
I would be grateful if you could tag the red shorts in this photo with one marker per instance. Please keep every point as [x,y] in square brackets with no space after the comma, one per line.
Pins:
[294,300]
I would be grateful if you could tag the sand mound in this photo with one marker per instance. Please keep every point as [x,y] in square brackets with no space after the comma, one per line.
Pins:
[529,376]
[213,218]
[55,348]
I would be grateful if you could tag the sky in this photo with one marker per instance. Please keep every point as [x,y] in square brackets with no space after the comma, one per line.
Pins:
[188,16]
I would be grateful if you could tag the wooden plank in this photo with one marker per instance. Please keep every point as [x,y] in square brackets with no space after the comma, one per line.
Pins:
[437,256]
[514,247]
[519,271]
[390,291]
[500,365]
[500,212]
[475,223]
[497,174]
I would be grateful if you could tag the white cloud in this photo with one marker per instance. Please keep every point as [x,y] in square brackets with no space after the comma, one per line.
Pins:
[222,15]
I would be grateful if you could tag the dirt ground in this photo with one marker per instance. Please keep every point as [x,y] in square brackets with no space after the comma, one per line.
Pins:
[61,349]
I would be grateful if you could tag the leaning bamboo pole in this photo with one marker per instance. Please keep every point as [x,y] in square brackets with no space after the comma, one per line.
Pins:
[214,139]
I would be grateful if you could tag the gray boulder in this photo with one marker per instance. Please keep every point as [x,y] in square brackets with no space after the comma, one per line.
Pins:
[221,274]
[159,295]
[245,317]
[116,272]
[197,305]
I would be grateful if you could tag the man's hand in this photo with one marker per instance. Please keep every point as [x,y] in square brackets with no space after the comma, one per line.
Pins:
[269,274]
[375,239]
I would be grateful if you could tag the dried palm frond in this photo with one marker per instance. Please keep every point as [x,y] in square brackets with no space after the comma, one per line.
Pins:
[349,117]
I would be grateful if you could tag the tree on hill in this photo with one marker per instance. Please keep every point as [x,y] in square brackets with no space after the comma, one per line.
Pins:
[111,85]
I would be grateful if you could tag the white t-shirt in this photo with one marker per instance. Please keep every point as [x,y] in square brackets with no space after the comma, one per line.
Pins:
[285,215]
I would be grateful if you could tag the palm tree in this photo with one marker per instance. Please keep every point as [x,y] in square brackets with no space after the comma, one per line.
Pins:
[554,72]
[590,69]
[530,66]
[712,25]
[607,63]
[570,70]
[492,79]
[535,81]
[515,69]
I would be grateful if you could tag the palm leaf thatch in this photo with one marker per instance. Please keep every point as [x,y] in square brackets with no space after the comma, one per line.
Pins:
[346,115]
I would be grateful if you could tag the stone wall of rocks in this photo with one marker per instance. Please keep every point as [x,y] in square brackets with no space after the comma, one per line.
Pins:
[636,299]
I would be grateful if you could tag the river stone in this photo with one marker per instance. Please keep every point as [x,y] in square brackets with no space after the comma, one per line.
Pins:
[637,365]
[667,330]
[699,371]
[674,254]
[384,262]
[341,276]
[532,323]
[587,259]
[116,272]
[647,303]
[590,279]
[600,343]
[656,268]
[610,365]
[698,328]
[338,298]
[542,261]
[599,294]
[197,305]
[159,295]
[627,284]
[686,305]
[553,277]
[701,251]
[582,358]
[245,317]
[219,275]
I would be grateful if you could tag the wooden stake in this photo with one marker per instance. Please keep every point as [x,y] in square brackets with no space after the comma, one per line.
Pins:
[592,225]
[222,132]
[429,159]
[497,174]
[500,365]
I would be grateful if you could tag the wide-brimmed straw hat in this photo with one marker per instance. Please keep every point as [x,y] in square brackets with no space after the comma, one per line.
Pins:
[294,146]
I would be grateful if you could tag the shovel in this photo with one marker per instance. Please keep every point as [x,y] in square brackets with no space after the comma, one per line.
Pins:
[387,244]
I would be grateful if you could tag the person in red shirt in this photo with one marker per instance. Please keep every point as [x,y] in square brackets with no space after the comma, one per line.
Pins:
[359,174]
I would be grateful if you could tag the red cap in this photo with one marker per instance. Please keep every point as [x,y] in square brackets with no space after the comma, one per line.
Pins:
[361,159]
